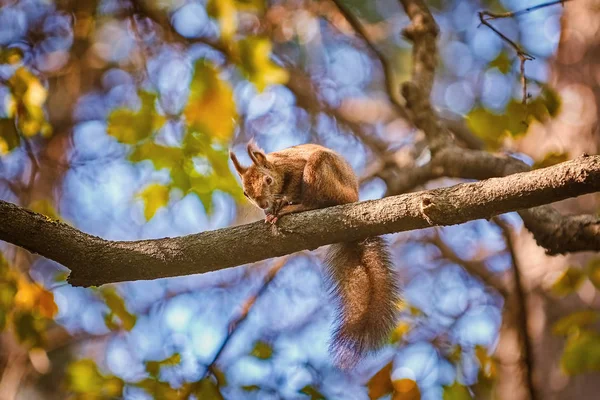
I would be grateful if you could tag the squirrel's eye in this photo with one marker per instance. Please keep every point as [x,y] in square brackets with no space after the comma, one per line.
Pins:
[268,180]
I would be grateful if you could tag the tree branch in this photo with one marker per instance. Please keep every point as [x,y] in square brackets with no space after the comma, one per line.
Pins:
[95,261]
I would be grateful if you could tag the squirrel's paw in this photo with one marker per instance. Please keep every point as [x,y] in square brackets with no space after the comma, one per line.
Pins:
[270,219]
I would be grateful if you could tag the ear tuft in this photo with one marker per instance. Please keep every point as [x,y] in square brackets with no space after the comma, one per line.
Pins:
[238,167]
[256,154]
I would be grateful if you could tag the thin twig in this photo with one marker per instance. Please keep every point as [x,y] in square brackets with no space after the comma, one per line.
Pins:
[522,54]
[248,304]
[518,13]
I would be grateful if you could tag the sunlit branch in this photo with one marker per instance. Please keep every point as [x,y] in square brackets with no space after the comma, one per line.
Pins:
[96,261]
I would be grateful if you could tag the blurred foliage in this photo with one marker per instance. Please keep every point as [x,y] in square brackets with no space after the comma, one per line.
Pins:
[493,127]
[195,161]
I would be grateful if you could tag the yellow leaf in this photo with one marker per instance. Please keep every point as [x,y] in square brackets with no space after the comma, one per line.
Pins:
[225,13]
[31,296]
[153,367]
[117,307]
[262,350]
[208,390]
[129,126]
[257,65]
[398,333]
[30,96]
[211,106]
[381,383]
[155,196]
[312,392]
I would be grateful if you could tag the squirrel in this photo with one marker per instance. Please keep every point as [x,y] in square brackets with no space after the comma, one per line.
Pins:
[308,177]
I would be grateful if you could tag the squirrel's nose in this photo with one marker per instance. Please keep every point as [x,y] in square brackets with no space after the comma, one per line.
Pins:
[264,204]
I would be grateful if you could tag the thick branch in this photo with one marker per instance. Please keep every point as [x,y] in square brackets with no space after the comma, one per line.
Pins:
[95,261]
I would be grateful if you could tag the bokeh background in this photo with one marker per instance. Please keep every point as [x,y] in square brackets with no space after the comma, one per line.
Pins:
[116,117]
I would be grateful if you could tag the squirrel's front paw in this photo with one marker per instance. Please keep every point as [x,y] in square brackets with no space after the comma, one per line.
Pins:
[270,219]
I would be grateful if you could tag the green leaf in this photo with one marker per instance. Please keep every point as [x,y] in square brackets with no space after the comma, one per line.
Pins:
[129,126]
[456,392]
[593,272]
[502,62]
[153,367]
[573,321]
[161,156]
[262,350]
[9,137]
[570,280]
[582,353]
[208,390]
[117,306]
[257,65]
[155,197]
[312,392]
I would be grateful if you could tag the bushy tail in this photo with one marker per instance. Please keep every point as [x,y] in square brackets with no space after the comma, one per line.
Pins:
[362,282]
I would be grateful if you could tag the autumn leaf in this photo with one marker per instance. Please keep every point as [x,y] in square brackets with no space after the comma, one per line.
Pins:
[262,350]
[502,62]
[208,390]
[155,196]
[29,97]
[153,367]
[117,307]
[257,65]
[381,383]
[211,106]
[129,126]
[406,389]
[83,377]
[224,11]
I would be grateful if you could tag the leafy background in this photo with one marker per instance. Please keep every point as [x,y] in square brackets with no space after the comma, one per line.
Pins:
[117,116]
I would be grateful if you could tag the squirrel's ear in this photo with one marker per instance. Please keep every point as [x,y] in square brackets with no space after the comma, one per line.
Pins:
[240,170]
[257,154]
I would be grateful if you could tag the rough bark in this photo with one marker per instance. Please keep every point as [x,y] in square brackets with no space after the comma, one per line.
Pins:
[95,261]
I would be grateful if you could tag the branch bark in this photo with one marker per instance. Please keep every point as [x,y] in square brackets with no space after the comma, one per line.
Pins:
[95,261]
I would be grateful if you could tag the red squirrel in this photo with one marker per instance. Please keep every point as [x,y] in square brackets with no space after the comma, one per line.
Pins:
[307,177]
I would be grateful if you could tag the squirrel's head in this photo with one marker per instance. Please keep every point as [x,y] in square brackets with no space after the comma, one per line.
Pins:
[262,182]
